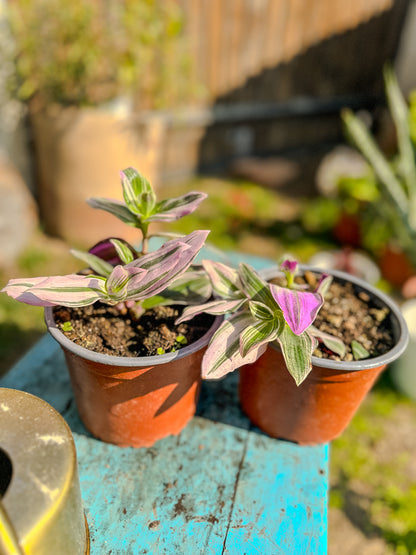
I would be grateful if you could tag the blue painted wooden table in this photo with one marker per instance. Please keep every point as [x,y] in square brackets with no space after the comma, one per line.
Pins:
[219,487]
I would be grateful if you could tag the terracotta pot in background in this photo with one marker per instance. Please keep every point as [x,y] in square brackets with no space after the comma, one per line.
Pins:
[320,408]
[134,401]
[347,230]
[395,266]
[79,153]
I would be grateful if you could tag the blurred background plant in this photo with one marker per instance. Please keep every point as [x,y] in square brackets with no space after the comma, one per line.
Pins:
[87,53]
[372,205]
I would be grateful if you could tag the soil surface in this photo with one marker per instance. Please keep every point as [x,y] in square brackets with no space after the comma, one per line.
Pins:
[118,331]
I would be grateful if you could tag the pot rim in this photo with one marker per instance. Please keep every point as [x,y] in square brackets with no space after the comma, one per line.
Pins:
[401,331]
[129,362]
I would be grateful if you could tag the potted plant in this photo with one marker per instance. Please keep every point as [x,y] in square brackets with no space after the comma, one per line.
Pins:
[128,398]
[85,70]
[309,347]
[389,218]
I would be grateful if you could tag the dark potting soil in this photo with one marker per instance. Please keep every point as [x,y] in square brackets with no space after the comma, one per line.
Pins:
[349,313]
[105,329]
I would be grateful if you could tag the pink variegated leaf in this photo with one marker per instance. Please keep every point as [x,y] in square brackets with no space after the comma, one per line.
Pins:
[225,280]
[223,353]
[71,290]
[299,307]
[191,288]
[216,307]
[173,209]
[166,264]
[121,280]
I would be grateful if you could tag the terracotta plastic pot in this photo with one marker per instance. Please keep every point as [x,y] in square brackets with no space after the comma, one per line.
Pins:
[134,401]
[320,408]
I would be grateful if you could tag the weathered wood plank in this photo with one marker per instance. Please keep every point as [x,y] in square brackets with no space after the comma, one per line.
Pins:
[292,480]
[173,498]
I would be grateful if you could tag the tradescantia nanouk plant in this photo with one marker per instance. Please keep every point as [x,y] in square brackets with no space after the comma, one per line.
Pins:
[131,276]
[258,312]
[262,313]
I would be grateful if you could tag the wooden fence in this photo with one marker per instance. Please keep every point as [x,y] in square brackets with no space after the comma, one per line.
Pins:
[233,40]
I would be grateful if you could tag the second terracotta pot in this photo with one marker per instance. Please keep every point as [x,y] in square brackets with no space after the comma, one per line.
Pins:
[318,410]
[134,401]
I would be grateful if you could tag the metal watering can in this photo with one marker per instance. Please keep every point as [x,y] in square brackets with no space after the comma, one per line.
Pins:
[41,507]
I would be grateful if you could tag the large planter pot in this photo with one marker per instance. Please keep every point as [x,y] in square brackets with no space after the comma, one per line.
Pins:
[320,408]
[79,153]
[134,401]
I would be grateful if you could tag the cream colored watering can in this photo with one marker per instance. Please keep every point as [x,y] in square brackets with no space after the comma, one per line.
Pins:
[41,508]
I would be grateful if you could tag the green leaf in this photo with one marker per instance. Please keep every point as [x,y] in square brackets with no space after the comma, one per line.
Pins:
[147,202]
[124,253]
[334,344]
[137,192]
[297,351]
[67,326]
[365,143]
[257,334]
[358,351]
[255,287]
[400,113]
[97,264]
[116,208]
[191,288]
[260,311]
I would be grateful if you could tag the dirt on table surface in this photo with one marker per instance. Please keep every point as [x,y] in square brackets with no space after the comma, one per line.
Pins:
[118,331]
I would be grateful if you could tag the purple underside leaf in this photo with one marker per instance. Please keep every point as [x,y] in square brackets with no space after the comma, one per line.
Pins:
[106,250]
[299,307]
[223,354]
[173,209]
[71,290]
